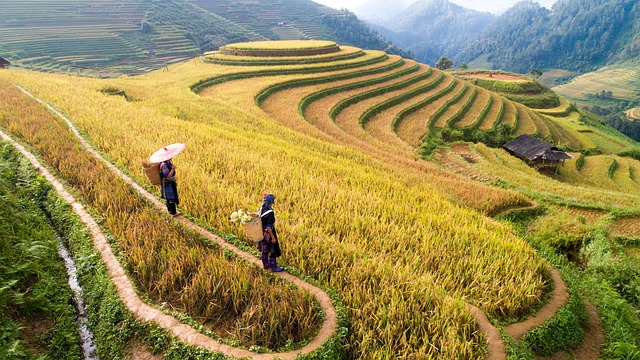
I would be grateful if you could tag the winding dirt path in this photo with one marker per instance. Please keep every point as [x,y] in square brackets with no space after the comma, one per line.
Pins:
[125,289]
[145,312]
[559,297]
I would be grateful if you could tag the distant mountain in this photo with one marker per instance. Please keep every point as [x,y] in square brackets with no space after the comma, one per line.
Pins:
[379,11]
[579,35]
[432,28]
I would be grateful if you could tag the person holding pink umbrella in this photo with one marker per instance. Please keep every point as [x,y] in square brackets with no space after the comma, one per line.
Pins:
[168,186]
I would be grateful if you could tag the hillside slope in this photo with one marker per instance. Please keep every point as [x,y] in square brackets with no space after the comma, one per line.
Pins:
[108,38]
[406,244]
[573,35]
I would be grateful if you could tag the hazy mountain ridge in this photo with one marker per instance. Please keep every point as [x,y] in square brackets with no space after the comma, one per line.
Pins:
[575,35]
[432,28]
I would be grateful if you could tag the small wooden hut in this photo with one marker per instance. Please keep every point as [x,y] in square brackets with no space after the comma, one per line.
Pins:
[536,152]
[4,63]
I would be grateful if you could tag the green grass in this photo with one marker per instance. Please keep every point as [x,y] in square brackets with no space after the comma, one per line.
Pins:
[34,292]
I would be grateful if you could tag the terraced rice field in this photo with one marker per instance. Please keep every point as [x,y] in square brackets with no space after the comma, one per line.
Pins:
[595,187]
[619,81]
[405,245]
[100,38]
[627,227]
[596,172]
[387,219]
[634,114]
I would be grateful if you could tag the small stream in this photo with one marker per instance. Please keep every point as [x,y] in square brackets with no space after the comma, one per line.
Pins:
[86,336]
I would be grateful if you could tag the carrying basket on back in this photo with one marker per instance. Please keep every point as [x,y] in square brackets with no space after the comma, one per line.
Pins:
[253,229]
[152,170]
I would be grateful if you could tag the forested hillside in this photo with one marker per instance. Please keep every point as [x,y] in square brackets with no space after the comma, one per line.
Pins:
[433,28]
[574,35]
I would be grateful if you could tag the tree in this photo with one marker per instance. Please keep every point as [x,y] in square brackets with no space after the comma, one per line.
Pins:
[536,73]
[444,63]
[464,65]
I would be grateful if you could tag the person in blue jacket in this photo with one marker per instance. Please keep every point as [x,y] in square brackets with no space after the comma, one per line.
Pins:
[169,187]
[271,247]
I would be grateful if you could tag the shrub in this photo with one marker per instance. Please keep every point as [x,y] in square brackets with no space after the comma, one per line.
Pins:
[580,162]
[565,331]
[613,167]
[561,231]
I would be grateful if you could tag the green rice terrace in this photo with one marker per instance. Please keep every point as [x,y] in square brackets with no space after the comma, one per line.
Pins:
[110,38]
[106,38]
[408,230]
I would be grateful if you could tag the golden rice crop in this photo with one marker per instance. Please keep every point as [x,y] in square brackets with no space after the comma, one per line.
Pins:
[627,227]
[525,124]
[281,45]
[541,127]
[167,262]
[498,163]
[395,241]
[595,173]
[415,125]
[509,115]
[475,111]
[441,120]
[559,110]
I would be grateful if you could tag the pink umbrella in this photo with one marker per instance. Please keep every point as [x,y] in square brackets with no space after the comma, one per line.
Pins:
[167,152]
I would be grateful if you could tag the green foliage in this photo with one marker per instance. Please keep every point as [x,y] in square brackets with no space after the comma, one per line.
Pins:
[580,162]
[528,92]
[632,153]
[619,319]
[347,28]
[564,331]
[609,262]
[605,26]
[629,128]
[444,63]
[33,280]
[431,142]
[612,168]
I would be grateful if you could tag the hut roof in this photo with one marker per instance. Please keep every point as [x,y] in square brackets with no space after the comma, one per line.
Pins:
[531,148]
[4,62]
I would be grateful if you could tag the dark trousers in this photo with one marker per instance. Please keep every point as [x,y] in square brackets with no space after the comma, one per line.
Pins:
[171,206]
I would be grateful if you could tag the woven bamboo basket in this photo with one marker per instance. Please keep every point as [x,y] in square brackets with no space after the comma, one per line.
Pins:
[253,229]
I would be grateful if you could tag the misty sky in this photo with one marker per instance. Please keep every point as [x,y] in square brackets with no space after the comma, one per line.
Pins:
[494,6]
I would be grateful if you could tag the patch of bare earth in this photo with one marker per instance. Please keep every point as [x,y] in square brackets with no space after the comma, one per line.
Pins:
[34,327]
[460,160]
[626,227]
[137,351]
